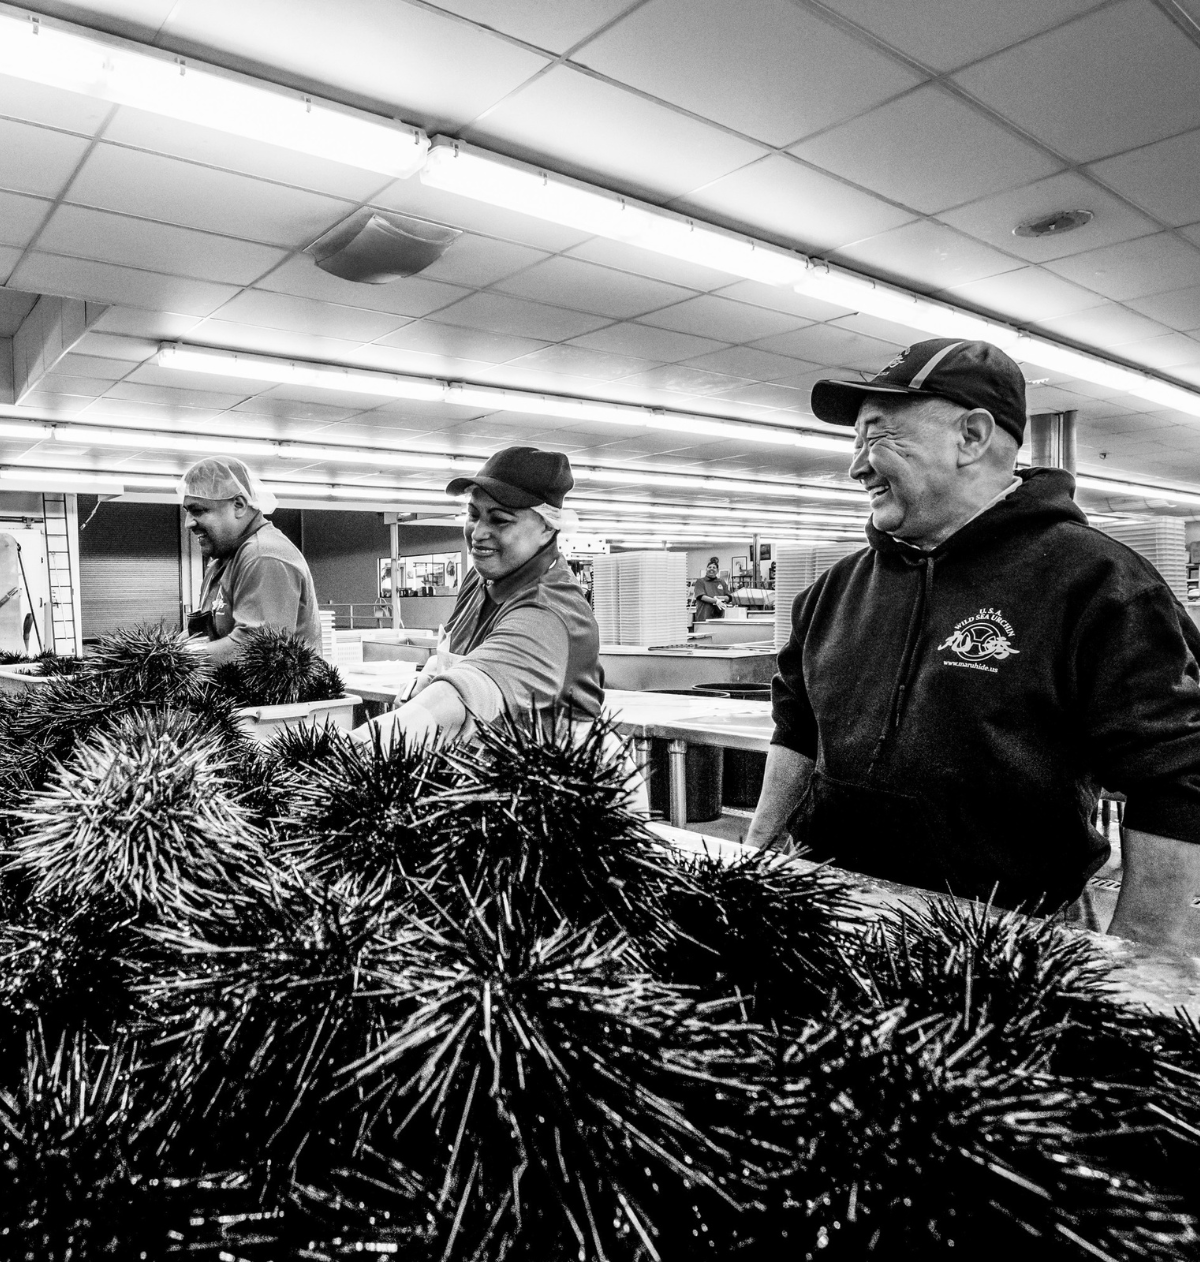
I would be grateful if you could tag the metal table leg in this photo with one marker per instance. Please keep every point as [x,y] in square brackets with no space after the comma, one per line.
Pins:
[677,752]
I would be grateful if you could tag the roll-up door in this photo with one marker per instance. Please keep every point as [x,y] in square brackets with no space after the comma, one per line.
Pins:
[129,565]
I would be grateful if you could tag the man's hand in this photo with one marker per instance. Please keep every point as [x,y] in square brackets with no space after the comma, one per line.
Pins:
[784,782]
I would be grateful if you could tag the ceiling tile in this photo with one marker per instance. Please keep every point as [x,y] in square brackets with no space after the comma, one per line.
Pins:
[476,261]
[433,338]
[588,287]
[497,313]
[927,256]
[130,19]
[1192,233]
[766,68]
[109,238]
[138,322]
[134,388]
[576,362]
[199,197]
[632,258]
[825,344]
[993,219]
[1171,350]
[782,298]
[643,342]
[1134,269]
[35,160]
[746,361]
[597,131]
[1163,177]
[1179,309]
[304,315]
[62,383]
[1029,295]
[789,203]
[51,107]
[264,341]
[928,150]
[159,134]
[1108,326]
[1116,78]
[556,25]
[680,379]
[873,326]
[411,296]
[368,50]
[102,282]
[945,34]
[99,367]
[414,198]
[710,316]
[20,217]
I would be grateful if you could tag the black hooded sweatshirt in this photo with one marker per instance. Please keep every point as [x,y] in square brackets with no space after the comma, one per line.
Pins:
[963,706]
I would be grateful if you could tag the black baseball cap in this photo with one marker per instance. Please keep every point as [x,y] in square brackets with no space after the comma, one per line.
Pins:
[972,374]
[520,477]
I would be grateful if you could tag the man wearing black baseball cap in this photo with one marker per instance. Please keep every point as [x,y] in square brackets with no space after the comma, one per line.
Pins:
[952,697]
[522,636]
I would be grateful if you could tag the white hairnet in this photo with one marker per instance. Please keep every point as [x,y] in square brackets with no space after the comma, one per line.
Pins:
[563,519]
[223,477]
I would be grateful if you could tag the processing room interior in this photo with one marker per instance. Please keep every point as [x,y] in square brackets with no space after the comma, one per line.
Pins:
[490,492]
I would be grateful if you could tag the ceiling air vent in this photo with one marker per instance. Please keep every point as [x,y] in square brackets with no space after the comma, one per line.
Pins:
[1053,225]
[375,246]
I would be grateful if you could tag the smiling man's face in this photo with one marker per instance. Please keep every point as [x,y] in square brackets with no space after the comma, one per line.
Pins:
[906,456]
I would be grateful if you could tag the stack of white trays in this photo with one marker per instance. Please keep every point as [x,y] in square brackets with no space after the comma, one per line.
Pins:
[797,567]
[652,589]
[1161,541]
[606,598]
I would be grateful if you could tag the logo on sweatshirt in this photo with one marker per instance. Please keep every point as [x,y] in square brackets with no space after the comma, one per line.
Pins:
[218,604]
[983,637]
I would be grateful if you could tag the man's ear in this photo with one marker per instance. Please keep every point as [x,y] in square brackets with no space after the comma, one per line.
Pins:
[240,507]
[976,429]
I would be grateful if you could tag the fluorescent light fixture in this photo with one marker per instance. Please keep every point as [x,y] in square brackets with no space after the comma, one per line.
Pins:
[485,398]
[24,430]
[1137,490]
[297,372]
[937,319]
[77,59]
[464,169]
[459,168]
[58,480]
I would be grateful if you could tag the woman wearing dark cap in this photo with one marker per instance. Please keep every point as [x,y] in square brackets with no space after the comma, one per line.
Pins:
[522,636]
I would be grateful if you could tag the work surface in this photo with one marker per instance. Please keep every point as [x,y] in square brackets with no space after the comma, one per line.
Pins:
[1141,976]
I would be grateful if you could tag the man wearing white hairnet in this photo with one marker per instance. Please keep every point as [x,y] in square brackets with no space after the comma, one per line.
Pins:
[255,575]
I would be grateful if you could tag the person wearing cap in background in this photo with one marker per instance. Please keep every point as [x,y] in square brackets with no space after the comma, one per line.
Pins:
[522,636]
[712,593]
[255,575]
[952,697]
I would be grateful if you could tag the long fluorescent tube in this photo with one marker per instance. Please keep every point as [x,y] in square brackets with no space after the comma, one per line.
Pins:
[252,367]
[69,480]
[76,59]
[476,173]
[938,319]
[1137,490]
[456,167]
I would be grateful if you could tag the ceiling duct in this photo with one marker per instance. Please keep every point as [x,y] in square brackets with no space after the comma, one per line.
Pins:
[374,246]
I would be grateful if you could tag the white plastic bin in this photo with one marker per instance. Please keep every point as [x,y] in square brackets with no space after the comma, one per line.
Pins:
[17,679]
[265,721]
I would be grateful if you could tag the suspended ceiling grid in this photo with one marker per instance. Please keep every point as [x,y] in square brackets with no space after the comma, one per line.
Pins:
[903,139]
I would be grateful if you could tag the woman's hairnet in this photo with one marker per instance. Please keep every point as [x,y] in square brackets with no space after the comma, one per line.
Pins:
[222,478]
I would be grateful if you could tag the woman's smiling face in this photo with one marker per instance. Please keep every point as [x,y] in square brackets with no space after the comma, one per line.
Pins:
[499,539]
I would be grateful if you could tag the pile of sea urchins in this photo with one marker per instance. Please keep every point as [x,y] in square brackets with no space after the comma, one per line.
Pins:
[321,998]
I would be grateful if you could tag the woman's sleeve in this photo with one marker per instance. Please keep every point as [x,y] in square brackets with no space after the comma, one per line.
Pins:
[524,657]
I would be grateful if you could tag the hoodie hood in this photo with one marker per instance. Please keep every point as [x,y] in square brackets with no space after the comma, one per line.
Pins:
[1044,496]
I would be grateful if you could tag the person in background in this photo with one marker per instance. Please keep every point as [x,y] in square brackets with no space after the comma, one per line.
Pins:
[522,636]
[255,576]
[712,593]
[953,696]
